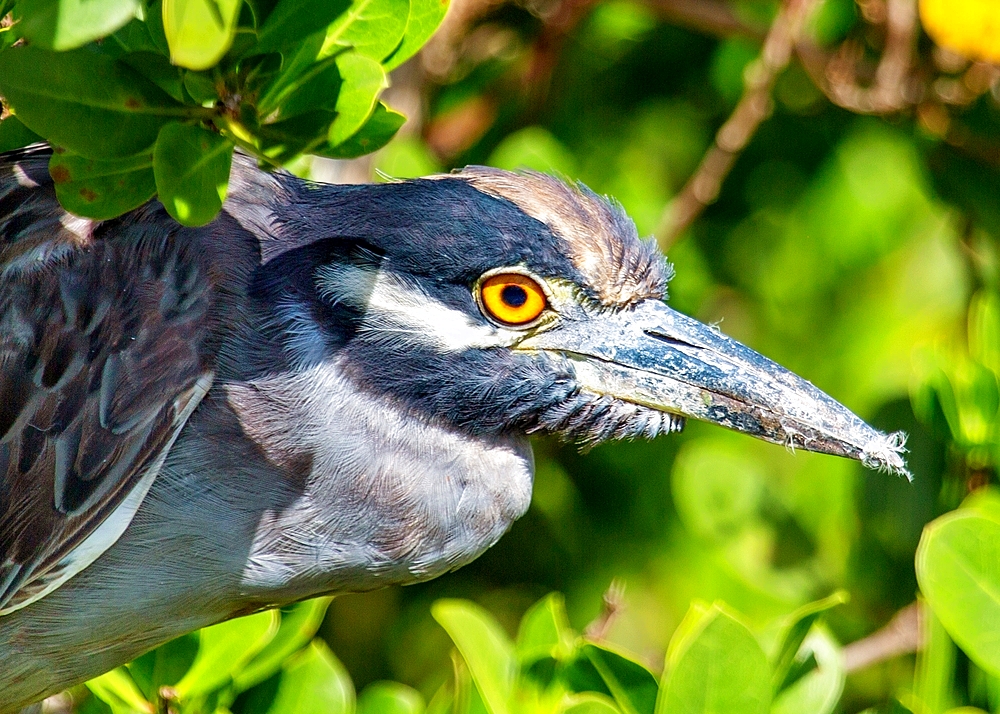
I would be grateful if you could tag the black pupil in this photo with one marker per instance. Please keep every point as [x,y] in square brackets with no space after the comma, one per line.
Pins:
[514,295]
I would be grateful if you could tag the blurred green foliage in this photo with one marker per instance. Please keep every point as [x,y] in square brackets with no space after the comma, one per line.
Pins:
[860,251]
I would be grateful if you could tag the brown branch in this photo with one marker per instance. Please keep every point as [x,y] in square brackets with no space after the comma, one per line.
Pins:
[703,187]
[893,88]
[901,636]
[614,605]
[710,17]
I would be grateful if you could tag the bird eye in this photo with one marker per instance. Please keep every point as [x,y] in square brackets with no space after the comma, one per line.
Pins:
[512,298]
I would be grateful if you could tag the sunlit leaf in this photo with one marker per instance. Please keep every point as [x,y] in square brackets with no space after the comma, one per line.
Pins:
[372,28]
[118,690]
[199,32]
[363,80]
[958,568]
[633,687]
[296,629]
[165,665]
[89,104]
[589,704]
[984,502]
[223,649]
[818,692]
[797,626]
[545,631]
[719,668]
[376,133]
[934,679]
[68,24]
[390,698]
[984,328]
[484,646]
[191,166]
[102,189]
[424,18]
[311,682]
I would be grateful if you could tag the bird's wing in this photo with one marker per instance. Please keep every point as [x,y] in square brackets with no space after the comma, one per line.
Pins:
[99,370]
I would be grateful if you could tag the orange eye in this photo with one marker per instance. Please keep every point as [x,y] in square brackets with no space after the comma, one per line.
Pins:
[512,298]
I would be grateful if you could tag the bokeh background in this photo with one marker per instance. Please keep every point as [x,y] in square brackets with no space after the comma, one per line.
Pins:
[846,243]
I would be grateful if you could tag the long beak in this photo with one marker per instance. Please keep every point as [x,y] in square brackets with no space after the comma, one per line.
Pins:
[657,357]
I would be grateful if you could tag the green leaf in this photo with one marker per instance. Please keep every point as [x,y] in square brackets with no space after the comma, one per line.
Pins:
[589,704]
[317,88]
[984,328]
[192,165]
[15,135]
[797,626]
[376,133]
[135,36]
[199,32]
[102,189]
[295,70]
[311,682]
[118,690]
[285,140]
[165,665]
[958,568]
[298,625]
[68,24]
[690,627]
[485,647]
[200,87]
[545,631]
[158,70]
[390,698]
[80,100]
[934,679]
[373,28]
[363,80]
[223,649]
[818,692]
[291,21]
[425,17]
[630,683]
[719,668]
[985,501]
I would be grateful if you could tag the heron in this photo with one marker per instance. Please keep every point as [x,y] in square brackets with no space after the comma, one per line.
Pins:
[329,388]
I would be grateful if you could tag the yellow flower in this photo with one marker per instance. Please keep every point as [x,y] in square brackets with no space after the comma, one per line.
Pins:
[968,27]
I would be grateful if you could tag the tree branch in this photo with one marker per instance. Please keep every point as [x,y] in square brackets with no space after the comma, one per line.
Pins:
[703,187]
[901,636]
[893,87]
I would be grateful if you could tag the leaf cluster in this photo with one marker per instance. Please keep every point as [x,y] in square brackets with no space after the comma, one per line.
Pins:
[269,663]
[151,98]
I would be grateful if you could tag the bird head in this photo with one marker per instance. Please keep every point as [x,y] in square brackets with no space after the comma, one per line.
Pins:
[505,303]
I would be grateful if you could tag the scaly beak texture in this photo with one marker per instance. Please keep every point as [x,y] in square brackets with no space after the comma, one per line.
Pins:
[657,357]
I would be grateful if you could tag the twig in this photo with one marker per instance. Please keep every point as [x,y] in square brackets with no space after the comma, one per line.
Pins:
[893,87]
[901,636]
[703,187]
[710,17]
[614,605]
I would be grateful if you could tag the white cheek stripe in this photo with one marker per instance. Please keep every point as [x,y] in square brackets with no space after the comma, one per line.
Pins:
[396,309]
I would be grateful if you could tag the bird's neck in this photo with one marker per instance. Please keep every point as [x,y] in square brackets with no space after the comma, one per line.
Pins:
[374,493]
